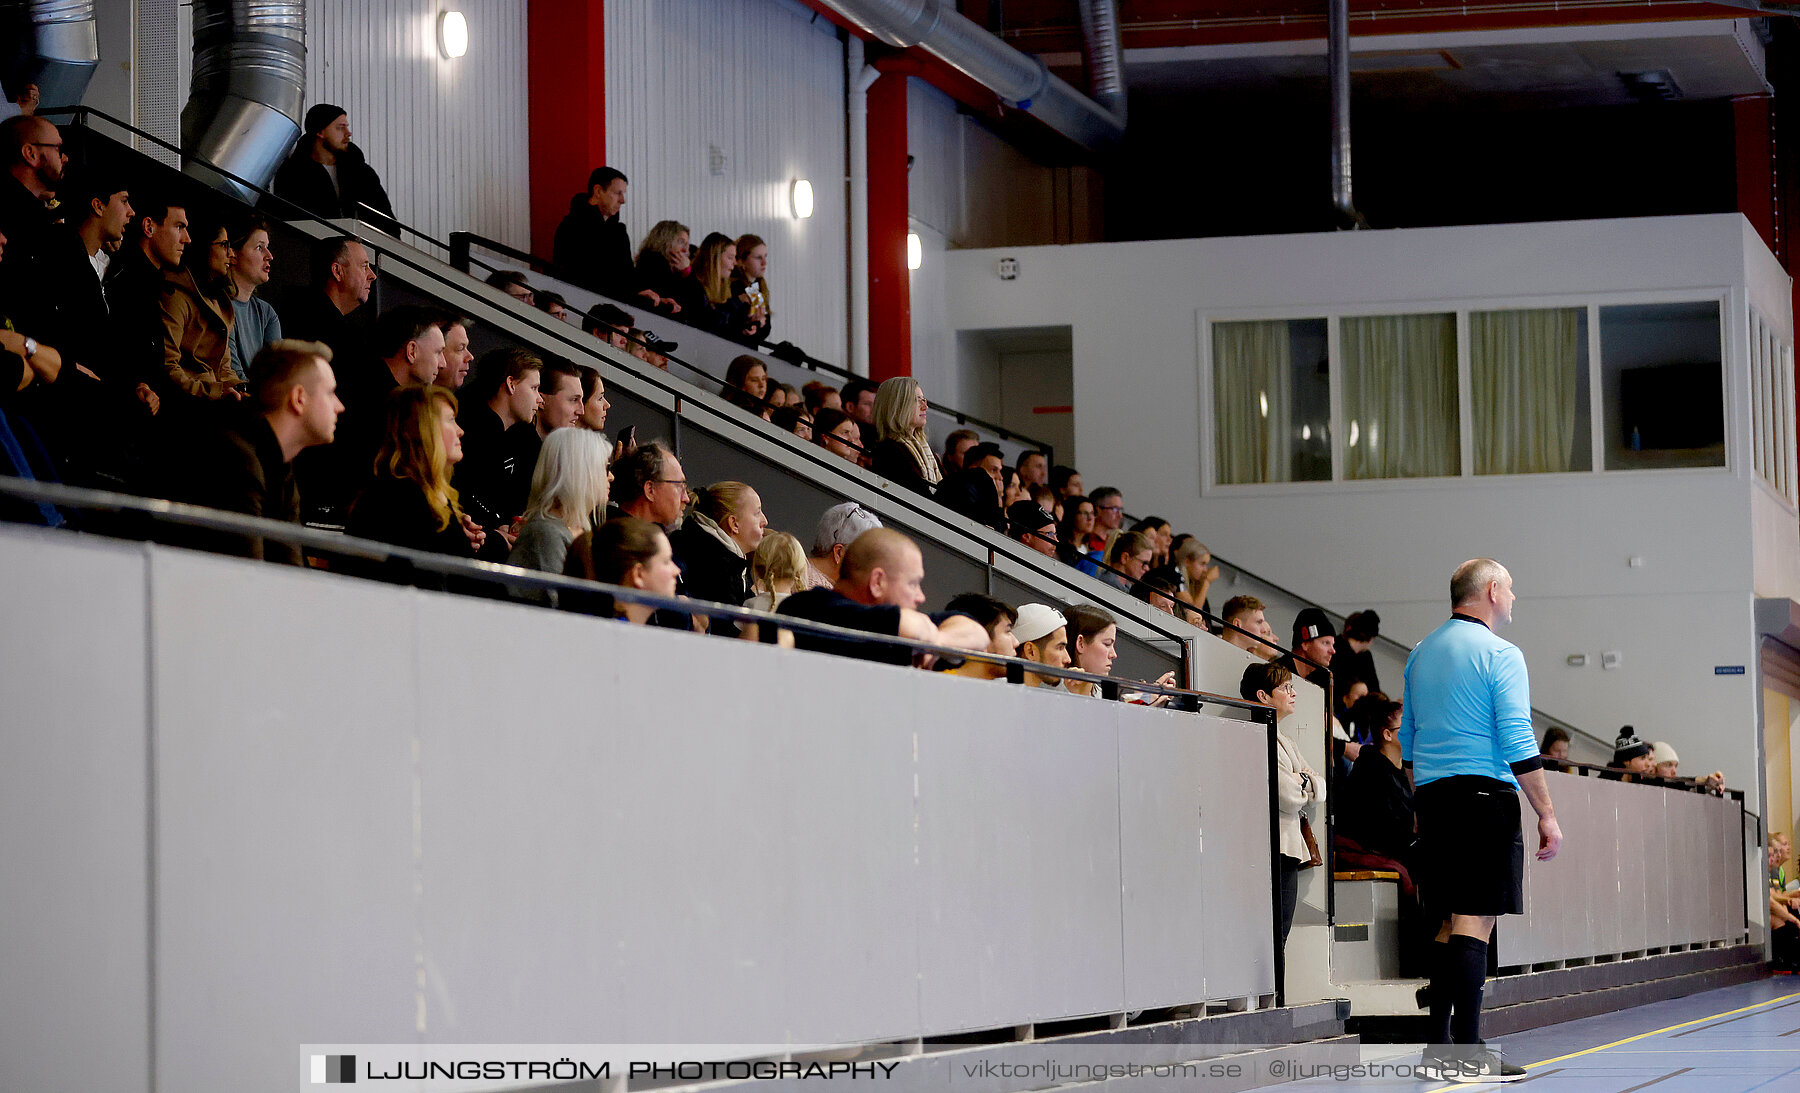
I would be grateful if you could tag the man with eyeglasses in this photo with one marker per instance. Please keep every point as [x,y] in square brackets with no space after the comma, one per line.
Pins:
[1109,509]
[34,164]
[651,485]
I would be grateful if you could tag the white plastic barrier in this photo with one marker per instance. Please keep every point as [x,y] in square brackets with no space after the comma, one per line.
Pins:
[248,807]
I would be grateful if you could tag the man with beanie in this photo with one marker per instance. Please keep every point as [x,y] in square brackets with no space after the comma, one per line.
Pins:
[1315,643]
[1465,734]
[1030,524]
[1630,755]
[327,175]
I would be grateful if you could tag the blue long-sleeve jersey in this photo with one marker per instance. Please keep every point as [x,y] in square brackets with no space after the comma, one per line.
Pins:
[1468,706]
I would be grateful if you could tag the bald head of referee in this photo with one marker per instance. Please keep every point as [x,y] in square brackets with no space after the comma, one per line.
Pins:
[1467,741]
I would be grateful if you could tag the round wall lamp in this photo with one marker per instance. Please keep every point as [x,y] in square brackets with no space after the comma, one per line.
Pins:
[915,251]
[800,198]
[453,34]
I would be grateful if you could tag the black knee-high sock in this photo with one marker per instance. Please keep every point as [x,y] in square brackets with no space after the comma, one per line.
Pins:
[1442,992]
[1468,964]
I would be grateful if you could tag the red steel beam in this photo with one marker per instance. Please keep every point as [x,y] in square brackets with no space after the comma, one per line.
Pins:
[890,289]
[566,122]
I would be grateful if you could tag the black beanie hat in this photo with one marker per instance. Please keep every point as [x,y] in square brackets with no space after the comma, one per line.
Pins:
[1628,747]
[1363,626]
[1312,623]
[322,115]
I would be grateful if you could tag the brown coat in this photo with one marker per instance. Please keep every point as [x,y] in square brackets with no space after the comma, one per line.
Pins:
[196,345]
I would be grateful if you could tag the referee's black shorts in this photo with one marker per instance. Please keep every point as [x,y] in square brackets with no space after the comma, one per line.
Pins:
[1471,847]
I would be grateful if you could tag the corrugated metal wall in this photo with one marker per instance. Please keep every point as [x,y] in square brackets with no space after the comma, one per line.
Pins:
[448,137]
[712,110]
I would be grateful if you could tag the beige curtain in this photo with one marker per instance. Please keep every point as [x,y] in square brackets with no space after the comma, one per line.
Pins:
[1400,407]
[1523,377]
[1252,399]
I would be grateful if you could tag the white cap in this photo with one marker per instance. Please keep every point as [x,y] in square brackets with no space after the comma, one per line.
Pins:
[1037,620]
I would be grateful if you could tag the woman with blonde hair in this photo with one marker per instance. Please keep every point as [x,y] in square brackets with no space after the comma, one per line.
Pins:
[714,543]
[568,495]
[777,569]
[410,503]
[663,267]
[903,454]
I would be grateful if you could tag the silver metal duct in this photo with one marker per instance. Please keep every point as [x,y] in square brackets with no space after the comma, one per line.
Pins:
[62,52]
[249,86]
[1105,60]
[1337,61]
[1018,78]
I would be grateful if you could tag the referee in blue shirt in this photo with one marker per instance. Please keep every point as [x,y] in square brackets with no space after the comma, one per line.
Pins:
[1465,736]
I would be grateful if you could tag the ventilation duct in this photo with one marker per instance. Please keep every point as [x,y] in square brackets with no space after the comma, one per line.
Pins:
[58,51]
[249,85]
[1337,63]
[1021,80]
[1100,49]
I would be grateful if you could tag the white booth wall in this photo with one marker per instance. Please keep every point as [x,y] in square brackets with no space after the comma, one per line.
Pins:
[1706,541]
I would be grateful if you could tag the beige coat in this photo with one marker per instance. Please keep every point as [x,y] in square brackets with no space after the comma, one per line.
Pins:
[1294,791]
[196,357]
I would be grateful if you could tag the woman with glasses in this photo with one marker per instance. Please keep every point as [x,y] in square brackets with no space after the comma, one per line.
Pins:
[197,320]
[903,455]
[1129,559]
[1297,785]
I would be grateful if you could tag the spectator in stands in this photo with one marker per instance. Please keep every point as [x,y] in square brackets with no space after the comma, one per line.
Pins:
[821,396]
[610,324]
[997,619]
[955,445]
[1668,765]
[1784,918]
[664,269]
[794,419]
[1158,589]
[1298,785]
[1315,642]
[1161,537]
[1076,529]
[457,357]
[651,485]
[750,285]
[99,215]
[1192,566]
[592,244]
[1630,755]
[747,385]
[778,569]
[593,401]
[881,583]
[1043,634]
[634,553]
[714,543]
[838,528]
[568,494]
[903,455]
[1012,489]
[197,322]
[410,503]
[1247,627]
[837,433]
[254,323]
[859,403]
[551,304]
[156,241]
[776,399]
[24,363]
[1344,704]
[343,276]
[246,464]
[1066,481]
[514,284]
[1109,510]
[409,340]
[1046,499]
[1027,522]
[1353,661]
[35,161]
[1034,468]
[561,401]
[502,397]
[409,346]
[329,177]
[974,491]
[651,349]
[1376,808]
[24,98]
[1093,645]
[716,308]
[1129,556]
[1555,745]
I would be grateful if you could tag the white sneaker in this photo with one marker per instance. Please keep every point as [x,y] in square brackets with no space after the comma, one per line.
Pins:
[1479,1066]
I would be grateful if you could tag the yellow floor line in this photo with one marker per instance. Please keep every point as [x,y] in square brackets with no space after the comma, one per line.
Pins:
[1660,1031]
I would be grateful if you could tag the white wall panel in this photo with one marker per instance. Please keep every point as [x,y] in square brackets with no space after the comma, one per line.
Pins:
[763,82]
[448,137]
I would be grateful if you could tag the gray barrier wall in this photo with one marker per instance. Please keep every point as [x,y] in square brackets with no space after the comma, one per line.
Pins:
[1641,867]
[248,807]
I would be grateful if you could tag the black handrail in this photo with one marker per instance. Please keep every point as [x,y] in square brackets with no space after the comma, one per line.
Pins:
[513,578]
[461,256]
[1685,785]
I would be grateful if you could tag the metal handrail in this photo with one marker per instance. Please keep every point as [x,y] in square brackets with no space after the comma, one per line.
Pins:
[513,578]
[461,256]
[1685,785]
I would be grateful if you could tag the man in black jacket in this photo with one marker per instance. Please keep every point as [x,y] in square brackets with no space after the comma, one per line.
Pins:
[491,480]
[248,463]
[327,175]
[592,244]
[34,161]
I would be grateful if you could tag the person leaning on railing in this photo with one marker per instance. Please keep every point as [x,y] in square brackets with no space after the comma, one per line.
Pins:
[1093,637]
[997,619]
[1043,634]
[879,588]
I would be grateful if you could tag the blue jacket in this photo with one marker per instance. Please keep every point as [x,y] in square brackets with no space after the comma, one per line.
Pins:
[1468,706]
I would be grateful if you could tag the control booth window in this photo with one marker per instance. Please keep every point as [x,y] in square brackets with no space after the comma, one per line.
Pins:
[1662,371]
[1271,401]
